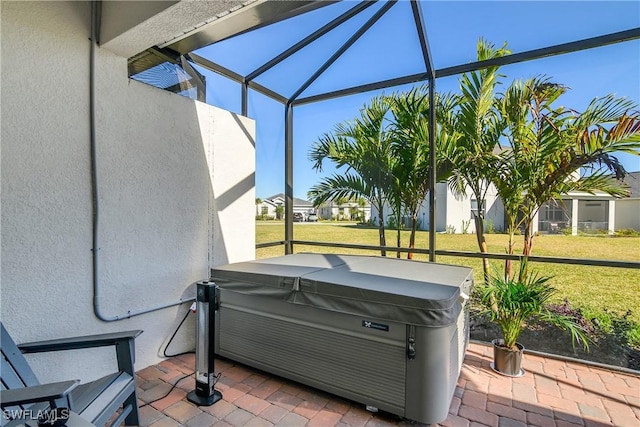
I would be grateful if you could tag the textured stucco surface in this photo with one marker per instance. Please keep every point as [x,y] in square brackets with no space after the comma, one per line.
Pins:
[160,26]
[233,168]
[118,17]
[160,228]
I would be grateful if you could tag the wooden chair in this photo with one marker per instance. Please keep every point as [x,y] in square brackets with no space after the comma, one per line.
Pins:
[96,402]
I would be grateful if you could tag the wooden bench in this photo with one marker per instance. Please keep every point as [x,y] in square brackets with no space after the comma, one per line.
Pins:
[96,401]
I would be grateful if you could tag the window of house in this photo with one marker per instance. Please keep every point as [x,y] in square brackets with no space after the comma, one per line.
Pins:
[264,210]
[474,208]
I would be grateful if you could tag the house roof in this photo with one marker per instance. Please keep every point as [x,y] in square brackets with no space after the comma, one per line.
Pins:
[633,181]
[296,201]
[267,202]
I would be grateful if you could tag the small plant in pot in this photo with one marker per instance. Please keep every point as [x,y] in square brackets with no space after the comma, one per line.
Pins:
[512,302]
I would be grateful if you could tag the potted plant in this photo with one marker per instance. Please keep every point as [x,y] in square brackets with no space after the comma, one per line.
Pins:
[512,302]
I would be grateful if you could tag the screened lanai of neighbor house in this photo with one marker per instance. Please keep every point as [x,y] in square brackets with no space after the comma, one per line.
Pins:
[137,137]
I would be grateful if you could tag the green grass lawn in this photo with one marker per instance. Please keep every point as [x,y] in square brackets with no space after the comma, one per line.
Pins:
[596,290]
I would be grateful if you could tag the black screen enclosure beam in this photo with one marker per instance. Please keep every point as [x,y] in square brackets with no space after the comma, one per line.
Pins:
[384,9]
[288,178]
[559,49]
[428,62]
[232,75]
[430,76]
[310,39]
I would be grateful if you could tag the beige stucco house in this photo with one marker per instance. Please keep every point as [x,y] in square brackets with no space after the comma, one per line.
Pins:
[116,196]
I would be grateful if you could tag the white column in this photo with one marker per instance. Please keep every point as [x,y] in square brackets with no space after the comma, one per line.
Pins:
[535,225]
[574,217]
[612,216]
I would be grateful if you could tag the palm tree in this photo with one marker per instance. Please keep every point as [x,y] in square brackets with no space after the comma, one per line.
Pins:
[548,146]
[478,124]
[528,117]
[410,147]
[258,202]
[361,204]
[279,212]
[362,147]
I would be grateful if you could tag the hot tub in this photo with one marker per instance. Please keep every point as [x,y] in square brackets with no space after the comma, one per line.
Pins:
[388,333]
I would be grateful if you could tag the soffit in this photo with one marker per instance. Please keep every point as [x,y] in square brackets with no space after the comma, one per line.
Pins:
[128,28]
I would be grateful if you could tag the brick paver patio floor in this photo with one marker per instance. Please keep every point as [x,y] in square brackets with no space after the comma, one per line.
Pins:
[552,393]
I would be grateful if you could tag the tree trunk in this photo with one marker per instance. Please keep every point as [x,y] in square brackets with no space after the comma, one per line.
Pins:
[482,244]
[528,239]
[398,236]
[383,240]
[412,238]
[508,264]
[528,246]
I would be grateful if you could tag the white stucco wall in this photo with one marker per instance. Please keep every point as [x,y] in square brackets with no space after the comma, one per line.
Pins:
[232,163]
[175,181]
[452,210]
[458,210]
[627,214]
[442,200]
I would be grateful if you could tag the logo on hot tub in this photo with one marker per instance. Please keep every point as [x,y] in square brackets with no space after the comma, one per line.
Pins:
[373,325]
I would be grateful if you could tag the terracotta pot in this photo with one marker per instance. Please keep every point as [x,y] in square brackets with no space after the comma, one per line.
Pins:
[507,361]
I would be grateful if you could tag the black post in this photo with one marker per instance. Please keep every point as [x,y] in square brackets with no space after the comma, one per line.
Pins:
[205,394]
[245,98]
[432,170]
[288,179]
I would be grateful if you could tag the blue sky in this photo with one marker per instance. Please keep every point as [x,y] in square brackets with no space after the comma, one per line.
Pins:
[391,49]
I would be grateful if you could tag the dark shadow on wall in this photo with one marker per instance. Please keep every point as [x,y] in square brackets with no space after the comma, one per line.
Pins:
[222,202]
[244,129]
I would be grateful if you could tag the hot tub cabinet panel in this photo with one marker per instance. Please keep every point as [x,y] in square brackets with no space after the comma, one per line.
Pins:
[385,332]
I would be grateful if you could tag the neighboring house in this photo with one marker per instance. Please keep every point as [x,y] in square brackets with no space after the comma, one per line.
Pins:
[345,211]
[627,210]
[580,212]
[266,209]
[453,214]
[583,212]
[268,206]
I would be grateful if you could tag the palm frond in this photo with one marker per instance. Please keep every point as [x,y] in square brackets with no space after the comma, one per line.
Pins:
[511,302]
[348,186]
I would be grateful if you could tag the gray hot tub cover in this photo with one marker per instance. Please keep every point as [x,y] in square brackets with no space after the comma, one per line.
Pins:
[411,292]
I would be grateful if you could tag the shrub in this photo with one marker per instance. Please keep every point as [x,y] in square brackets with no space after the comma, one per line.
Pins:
[392,223]
[264,217]
[513,302]
[627,232]
[489,227]
[565,309]
[621,326]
